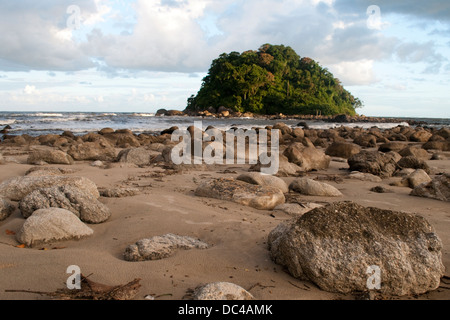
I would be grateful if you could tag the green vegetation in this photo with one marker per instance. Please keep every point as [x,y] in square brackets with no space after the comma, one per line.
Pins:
[272,80]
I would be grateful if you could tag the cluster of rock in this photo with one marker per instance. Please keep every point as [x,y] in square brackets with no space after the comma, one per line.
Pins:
[56,206]
[332,246]
[223,112]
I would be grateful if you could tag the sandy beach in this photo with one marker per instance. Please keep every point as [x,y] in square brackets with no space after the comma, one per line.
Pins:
[166,203]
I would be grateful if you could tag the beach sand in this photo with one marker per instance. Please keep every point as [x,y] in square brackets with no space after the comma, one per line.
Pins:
[237,234]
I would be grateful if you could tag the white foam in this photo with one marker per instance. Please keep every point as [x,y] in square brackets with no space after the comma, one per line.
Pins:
[143,114]
[41,114]
[6,122]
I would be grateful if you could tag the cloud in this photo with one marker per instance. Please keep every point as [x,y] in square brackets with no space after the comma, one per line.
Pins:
[435,10]
[186,35]
[33,36]
[30,90]
[355,72]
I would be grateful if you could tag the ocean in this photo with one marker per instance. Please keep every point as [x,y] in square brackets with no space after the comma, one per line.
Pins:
[79,123]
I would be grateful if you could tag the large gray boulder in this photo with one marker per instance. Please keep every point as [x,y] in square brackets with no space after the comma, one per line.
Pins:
[160,247]
[52,224]
[438,188]
[335,246]
[307,158]
[437,145]
[285,168]
[417,152]
[259,197]
[84,205]
[374,162]
[296,209]
[314,188]
[139,156]
[264,180]
[413,163]
[416,178]
[49,156]
[342,149]
[93,150]
[6,209]
[222,291]
[17,188]
[420,135]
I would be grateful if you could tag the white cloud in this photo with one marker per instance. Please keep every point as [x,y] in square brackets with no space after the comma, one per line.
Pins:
[30,90]
[355,72]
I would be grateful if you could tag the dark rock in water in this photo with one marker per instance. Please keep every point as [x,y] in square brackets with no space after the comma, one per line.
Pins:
[438,188]
[374,162]
[342,118]
[161,112]
[340,246]
[68,134]
[170,130]
[5,129]
[303,124]
[414,163]
[172,113]
[106,131]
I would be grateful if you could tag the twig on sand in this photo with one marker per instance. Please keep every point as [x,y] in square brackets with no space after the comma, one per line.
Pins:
[91,290]
[259,285]
[306,287]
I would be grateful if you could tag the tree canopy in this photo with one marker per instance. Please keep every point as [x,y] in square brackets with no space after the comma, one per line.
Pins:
[274,79]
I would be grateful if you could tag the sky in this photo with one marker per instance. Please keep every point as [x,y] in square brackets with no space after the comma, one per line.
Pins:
[144,55]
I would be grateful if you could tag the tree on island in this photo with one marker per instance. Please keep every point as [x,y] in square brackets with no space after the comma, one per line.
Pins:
[272,80]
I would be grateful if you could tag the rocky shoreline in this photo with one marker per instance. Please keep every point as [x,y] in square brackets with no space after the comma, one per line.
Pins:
[223,112]
[227,227]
